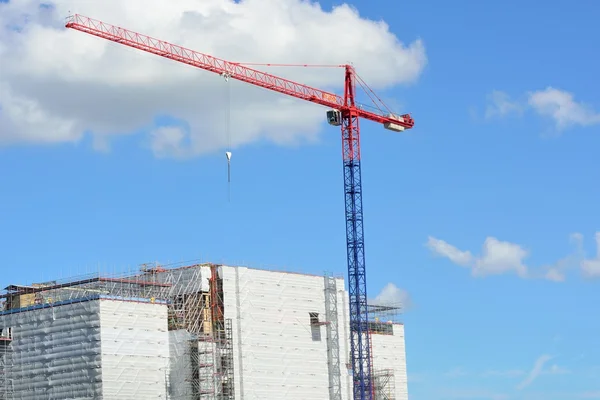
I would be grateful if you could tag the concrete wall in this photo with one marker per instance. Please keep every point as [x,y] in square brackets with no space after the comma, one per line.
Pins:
[135,350]
[56,352]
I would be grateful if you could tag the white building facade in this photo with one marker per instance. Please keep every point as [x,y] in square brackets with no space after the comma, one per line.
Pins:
[279,354]
[125,339]
[85,349]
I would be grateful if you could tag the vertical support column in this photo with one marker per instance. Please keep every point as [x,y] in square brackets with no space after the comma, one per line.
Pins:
[333,339]
[5,368]
[384,385]
[357,282]
[239,332]
[227,362]
[223,336]
[202,356]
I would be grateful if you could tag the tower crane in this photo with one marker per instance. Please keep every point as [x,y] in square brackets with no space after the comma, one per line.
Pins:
[344,112]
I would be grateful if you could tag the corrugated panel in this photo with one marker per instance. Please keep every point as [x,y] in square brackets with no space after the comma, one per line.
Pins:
[56,352]
[135,350]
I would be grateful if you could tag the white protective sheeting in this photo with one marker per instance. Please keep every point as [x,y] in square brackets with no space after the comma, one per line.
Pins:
[280,354]
[55,352]
[135,350]
[180,366]
[389,353]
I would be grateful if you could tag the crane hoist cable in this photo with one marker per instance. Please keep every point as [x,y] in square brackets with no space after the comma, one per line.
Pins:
[226,77]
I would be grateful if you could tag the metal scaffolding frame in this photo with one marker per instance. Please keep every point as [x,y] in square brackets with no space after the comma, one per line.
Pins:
[227,362]
[382,318]
[23,298]
[196,306]
[384,384]
[203,372]
[6,387]
[333,341]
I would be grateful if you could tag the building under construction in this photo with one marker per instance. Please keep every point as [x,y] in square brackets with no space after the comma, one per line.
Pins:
[203,331]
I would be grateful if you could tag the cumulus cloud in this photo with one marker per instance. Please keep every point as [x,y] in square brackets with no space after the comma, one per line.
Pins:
[57,85]
[558,105]
[445,249]
[557,271]
[591,266]
[562,108]
[497,257]
[500,104]
[554,274]
[392,295]
[500,257]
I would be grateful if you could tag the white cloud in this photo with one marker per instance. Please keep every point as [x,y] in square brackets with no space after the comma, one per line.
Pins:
[500,104]
[557,271]
[555,275]
[392,295]
[591,267]
[538,369]
[169,141]
[497,257]
[535,372]
[445,249]
[562,108]
[556,104]
[57,84]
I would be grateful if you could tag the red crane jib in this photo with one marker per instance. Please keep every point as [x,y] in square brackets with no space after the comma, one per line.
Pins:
[234,70]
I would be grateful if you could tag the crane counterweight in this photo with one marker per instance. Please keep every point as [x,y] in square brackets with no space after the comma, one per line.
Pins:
[394,126]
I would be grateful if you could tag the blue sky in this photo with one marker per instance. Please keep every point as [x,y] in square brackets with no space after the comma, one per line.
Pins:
[519,165]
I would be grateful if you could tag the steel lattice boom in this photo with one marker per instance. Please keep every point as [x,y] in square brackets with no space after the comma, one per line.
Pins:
[344,113]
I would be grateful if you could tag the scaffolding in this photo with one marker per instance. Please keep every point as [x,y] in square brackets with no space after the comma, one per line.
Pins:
[203,368]
[384,386]
[382,318]
[201,339]
[227,362]
[25,298]
[6,386]
[223,336]
[196,307]
[333,341]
